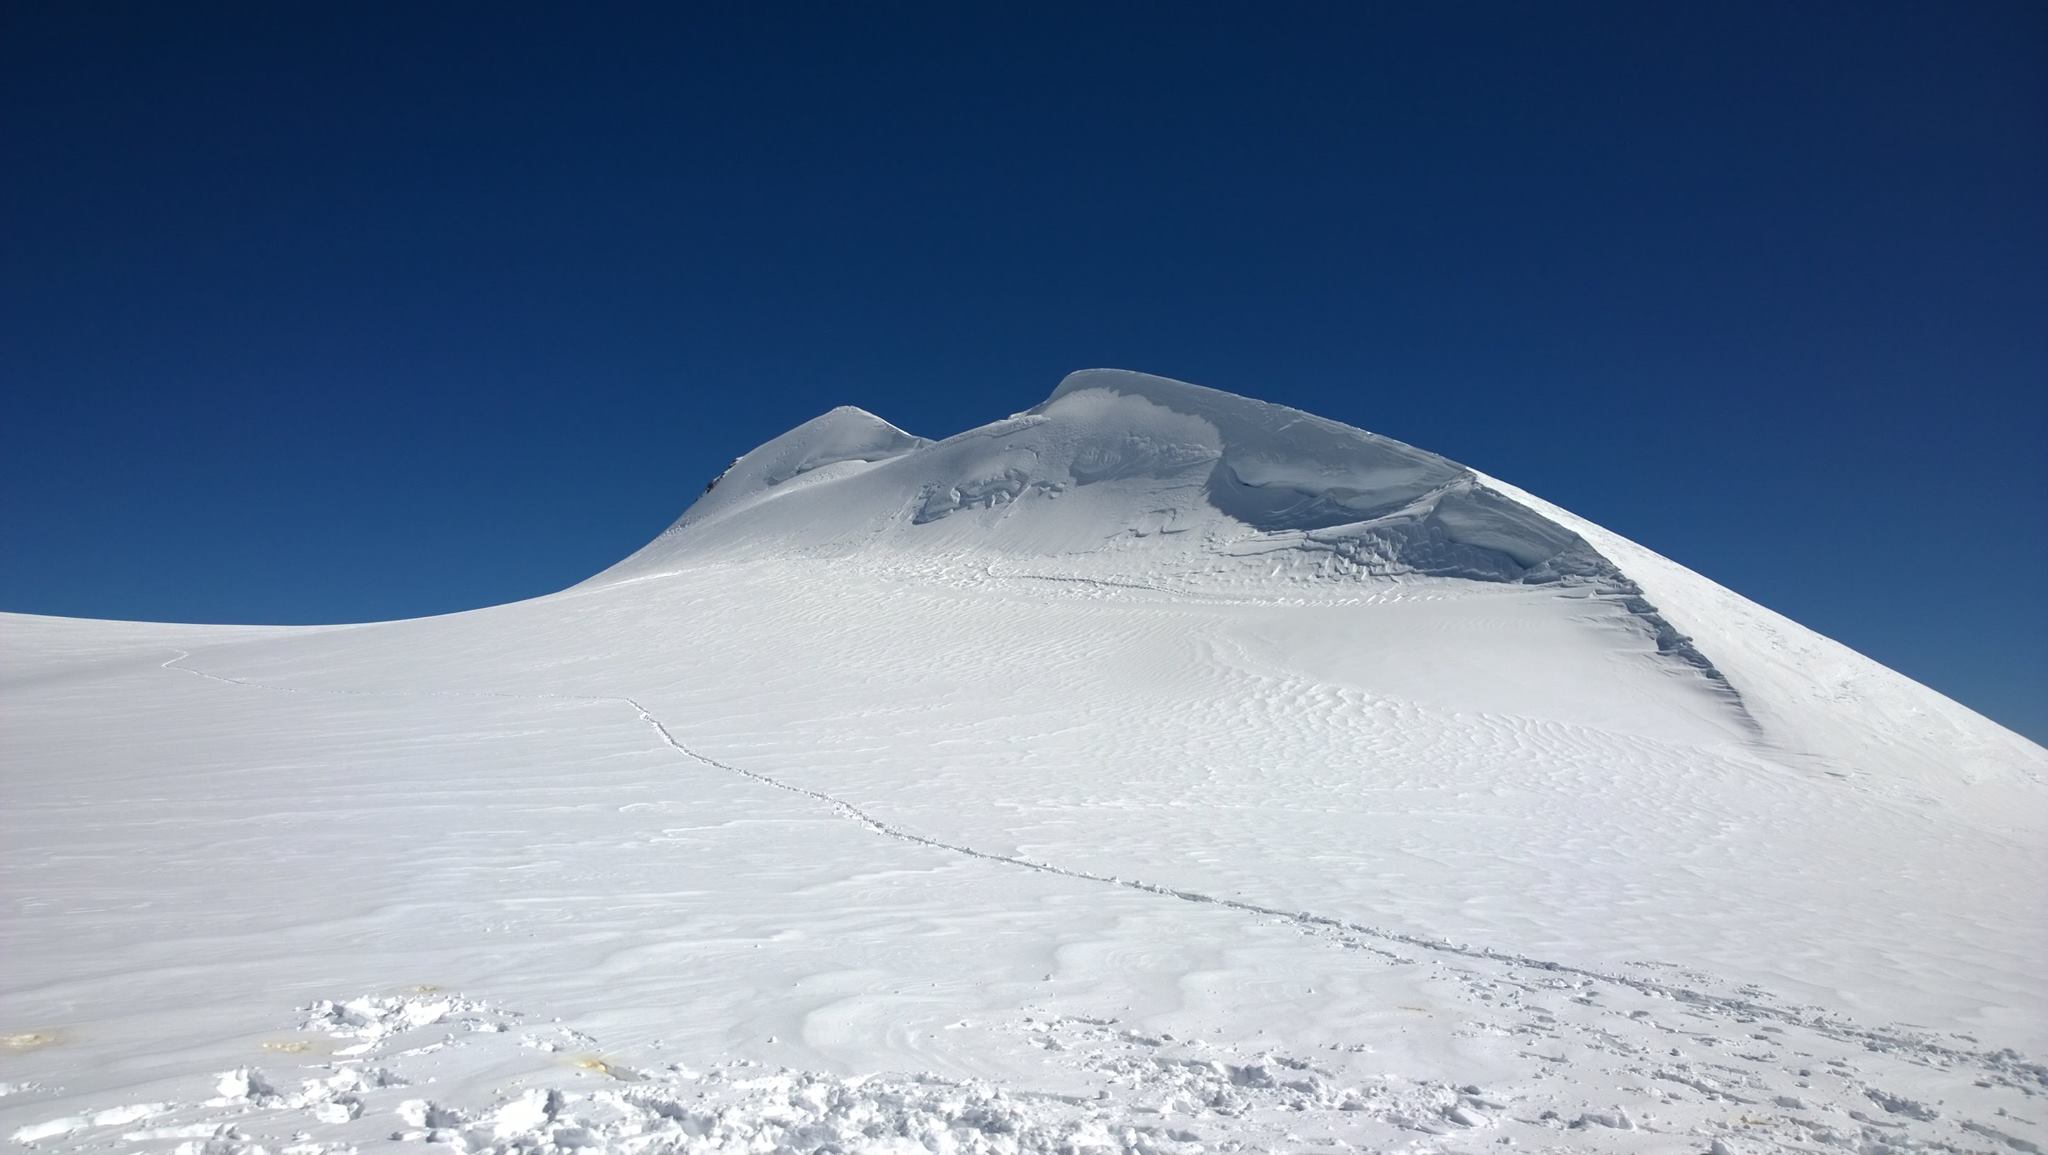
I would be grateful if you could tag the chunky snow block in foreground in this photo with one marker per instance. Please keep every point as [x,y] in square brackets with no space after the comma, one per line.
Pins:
[1154,770]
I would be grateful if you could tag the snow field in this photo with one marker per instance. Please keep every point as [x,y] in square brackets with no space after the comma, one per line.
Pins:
[1153,771]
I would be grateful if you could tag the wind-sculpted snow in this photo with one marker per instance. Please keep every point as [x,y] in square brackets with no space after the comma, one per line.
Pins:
[1112,457]
[844,436]
[1153,771]
[1140,455]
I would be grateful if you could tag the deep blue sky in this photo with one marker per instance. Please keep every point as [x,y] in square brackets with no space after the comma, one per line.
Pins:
[356,311]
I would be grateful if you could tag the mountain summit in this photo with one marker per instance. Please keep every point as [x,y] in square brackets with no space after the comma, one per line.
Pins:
[1125,477]
[1114,457]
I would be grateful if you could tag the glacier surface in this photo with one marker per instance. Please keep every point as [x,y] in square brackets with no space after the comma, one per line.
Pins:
[1153,770]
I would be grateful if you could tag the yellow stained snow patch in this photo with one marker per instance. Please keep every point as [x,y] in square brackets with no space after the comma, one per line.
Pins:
[28,1040]
[298,1046]
[599,1066]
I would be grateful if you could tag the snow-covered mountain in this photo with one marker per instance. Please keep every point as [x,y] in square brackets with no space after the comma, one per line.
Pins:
[1129,478]
[1156,769]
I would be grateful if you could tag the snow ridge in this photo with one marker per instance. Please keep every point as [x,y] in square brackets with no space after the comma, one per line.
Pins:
[1126,476]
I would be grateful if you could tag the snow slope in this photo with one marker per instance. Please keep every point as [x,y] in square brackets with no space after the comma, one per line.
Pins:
[1154,769]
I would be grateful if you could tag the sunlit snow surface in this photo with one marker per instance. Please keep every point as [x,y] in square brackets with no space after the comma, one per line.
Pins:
[1156,770]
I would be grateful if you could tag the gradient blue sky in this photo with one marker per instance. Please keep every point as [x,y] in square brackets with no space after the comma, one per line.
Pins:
[331,313]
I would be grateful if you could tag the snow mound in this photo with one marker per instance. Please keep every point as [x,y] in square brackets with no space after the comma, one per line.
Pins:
[1114,456]
[1126,476]
[1127,480]
[846,435]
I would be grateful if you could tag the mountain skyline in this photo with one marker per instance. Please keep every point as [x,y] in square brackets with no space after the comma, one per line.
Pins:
[1224,473]
[897,438]
[309,317]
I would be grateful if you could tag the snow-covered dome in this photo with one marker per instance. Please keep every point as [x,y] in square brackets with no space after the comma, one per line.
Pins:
[1115,456]
[1133,479]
